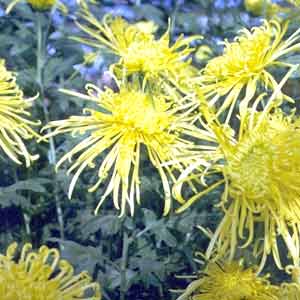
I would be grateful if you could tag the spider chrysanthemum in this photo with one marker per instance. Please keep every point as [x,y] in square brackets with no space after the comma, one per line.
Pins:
[262,173]
[229,281]
[259,167]
[122,124]
[41,274]
[139,51]
[245,64]
[15,127]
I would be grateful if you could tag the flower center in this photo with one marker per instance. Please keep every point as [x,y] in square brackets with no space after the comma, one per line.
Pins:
[250,169]
[135,112]
[231,282]
[265,169]
[234,283]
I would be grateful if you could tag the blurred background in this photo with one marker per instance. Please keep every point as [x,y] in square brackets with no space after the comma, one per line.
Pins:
[140,257]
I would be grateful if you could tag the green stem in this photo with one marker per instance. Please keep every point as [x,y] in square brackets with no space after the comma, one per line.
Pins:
[39,56]
[26,216]
[40,59]
[124,259]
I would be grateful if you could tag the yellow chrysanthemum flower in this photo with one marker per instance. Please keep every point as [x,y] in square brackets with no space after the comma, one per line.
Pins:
[138,50]
[245,64]
[229,281]
[259,167]
[40,5]
[42,275]
[295,2]
[262,7]
[15,127]
[122,124]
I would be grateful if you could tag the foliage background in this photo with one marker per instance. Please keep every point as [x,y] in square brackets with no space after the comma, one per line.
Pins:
[133,258]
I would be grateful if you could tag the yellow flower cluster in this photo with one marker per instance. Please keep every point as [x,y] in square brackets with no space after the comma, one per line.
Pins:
[150,115]
[254,147]
[228,126]
[42,275]
[256,162]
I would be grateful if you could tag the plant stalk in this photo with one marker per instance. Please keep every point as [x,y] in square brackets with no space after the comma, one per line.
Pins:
[26,216]
[41,48]
[124,259]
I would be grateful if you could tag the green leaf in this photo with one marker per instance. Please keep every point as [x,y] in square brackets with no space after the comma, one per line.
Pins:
[108,224]
[10,195]
[83,257]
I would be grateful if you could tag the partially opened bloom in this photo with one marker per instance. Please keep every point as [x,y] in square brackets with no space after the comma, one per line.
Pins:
[295,2]
[119,127]
[262,7]
[40,5]
[138,50]
[15,127]
[41,274]
[229,281]
[245,65]
[259,167]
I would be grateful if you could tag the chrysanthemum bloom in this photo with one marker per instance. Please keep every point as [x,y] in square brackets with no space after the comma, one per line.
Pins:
[295,2]
[229,281]
[262,7]
[245,64]
[259,167]
[139,51]
[121,125]
[14,125]
[40,5]
[42,275]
